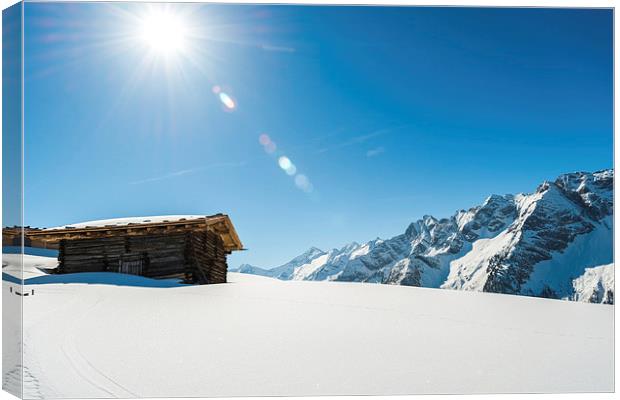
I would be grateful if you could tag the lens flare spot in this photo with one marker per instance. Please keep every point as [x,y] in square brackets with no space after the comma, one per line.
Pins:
[292,170]
[264,139]
[270,148]
[287,165]
[228,102]
[216,89]
[303,183]
[284,162]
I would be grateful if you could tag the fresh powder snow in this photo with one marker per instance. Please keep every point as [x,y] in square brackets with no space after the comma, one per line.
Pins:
[122,336]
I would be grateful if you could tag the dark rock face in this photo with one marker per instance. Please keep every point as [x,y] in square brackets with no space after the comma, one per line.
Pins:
[594,192]
[550,227]
[492,215]
[566,208]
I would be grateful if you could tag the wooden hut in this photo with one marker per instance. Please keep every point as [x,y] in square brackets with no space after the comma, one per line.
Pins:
[192,248]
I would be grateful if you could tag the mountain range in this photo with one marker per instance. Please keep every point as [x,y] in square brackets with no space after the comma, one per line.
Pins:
[556,242]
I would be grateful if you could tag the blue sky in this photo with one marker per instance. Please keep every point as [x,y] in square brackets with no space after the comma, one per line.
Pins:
[388,113]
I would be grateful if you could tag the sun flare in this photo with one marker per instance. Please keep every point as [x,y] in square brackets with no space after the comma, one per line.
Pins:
[163,32]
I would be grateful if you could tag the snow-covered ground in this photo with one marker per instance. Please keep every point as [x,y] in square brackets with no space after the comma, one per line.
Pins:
[262,336]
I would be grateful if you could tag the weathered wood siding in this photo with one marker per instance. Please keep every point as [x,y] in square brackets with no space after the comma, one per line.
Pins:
[197,256]
[207,257]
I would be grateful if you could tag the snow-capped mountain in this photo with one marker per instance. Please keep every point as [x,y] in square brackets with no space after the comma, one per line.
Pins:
[539,244]
[596,285]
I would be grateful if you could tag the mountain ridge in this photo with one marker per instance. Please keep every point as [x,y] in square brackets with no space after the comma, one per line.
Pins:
[512,244]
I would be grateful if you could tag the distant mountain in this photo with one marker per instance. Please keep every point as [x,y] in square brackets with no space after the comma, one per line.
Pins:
[541,244]
[250,269]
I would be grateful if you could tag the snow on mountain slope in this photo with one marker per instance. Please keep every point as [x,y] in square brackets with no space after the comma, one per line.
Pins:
[596,285]
[241,339]
[556,275]
[549,244]
[314,264]
[530,244]
[470,272]
[547,224]
[287,271]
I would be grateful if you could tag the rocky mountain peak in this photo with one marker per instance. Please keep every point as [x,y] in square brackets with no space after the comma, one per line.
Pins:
[593,191]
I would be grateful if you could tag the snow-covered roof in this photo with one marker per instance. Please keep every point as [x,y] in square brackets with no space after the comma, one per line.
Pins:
[128,221]
[219,223]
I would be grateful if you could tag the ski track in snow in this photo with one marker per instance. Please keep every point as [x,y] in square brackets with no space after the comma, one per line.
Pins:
[85,368]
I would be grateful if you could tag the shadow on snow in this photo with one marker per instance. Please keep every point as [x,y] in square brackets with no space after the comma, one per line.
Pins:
[97,278]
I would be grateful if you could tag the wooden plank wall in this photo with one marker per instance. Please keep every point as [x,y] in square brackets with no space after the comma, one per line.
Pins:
[197,256]
[207,257]
[89,255]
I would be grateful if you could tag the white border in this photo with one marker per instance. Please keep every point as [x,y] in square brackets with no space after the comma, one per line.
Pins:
[492,3]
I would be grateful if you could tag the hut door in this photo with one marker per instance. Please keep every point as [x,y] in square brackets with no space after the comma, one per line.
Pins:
[131,264]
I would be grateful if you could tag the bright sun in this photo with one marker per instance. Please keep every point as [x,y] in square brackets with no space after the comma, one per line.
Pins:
[163,32]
